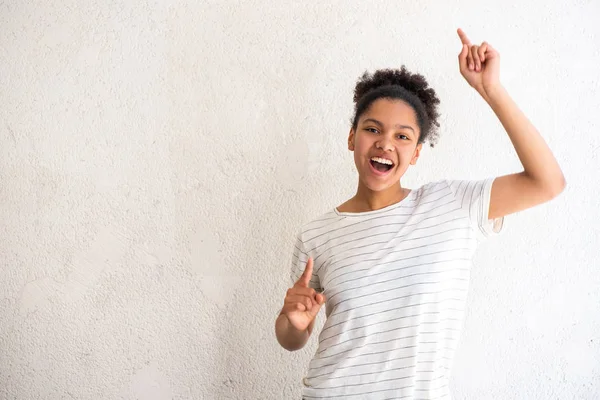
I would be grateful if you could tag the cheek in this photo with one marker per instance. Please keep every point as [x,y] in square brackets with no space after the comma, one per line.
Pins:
[406,154]
[362,143]
[409,150]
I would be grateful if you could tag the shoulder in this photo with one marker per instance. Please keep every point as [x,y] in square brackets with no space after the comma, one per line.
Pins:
[446,191]
[436,185]
[313,227]
[434,189]
[456,186]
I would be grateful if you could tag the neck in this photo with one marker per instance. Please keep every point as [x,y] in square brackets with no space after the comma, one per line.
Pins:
[368,200]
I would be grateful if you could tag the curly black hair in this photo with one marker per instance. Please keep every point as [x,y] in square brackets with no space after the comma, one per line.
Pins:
[402,85]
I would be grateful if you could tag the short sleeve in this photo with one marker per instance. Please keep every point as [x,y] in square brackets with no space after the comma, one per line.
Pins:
[299,260]
[474,199]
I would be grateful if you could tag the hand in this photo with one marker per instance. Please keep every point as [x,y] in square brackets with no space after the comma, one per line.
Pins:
[302,304]
[479,65]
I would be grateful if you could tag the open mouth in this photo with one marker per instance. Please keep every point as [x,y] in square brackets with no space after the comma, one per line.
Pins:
[381,165]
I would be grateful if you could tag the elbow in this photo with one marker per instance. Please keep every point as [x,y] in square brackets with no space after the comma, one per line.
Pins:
[549,188]
[561,185]
[556,188]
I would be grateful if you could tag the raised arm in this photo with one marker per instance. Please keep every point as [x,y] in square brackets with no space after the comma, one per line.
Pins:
[541,179]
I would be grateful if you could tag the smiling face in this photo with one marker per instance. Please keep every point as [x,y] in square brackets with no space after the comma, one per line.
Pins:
[385,143]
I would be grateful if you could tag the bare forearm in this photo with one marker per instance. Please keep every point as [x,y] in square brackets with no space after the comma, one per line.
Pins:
[288,337]
[536,157]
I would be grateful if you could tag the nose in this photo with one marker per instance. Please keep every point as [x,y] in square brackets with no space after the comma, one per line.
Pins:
[385,144]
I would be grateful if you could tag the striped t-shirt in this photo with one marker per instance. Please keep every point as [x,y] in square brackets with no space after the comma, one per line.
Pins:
[395,282]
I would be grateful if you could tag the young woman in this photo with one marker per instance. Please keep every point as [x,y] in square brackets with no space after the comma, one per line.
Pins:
[392,264]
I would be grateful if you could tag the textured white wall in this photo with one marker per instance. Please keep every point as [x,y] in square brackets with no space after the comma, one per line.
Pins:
[157,159]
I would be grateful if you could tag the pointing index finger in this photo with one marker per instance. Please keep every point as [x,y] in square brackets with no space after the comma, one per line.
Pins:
[463,37]
[307,274]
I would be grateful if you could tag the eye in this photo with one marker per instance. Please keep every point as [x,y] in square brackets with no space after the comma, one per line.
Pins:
[371,130]
[403,137]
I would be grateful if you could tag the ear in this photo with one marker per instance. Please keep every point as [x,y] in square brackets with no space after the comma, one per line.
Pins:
[417,153]
[351,136]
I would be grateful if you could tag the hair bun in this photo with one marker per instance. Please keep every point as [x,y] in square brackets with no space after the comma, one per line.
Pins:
[415,83]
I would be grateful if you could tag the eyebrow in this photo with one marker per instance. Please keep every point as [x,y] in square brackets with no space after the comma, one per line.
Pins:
[399,126]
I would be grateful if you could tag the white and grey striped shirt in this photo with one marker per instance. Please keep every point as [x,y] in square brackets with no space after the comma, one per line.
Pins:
[396,282]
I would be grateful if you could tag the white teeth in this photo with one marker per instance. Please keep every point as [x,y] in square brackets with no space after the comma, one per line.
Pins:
[382,160]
